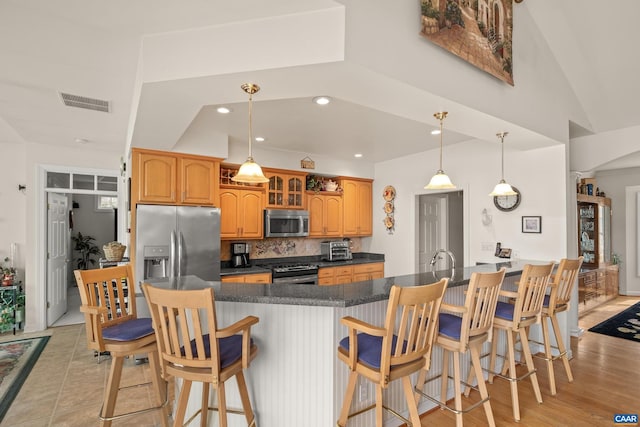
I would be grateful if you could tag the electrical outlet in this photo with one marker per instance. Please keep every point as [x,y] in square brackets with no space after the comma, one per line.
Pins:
[515,254]
[487,246]
[363,392]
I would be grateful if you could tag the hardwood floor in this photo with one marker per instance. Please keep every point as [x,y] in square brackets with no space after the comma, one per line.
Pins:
[606,378]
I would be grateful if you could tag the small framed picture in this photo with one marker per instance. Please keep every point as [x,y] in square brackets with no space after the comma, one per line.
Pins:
[505,253]
[532,224]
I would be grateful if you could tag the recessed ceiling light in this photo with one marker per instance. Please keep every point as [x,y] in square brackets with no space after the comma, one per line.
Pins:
[82,140]
[435,132]
[322,100]
[357,155]
[260,139]
[223,110]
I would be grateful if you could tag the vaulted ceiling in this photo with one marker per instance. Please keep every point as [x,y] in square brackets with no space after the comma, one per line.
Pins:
[92,48]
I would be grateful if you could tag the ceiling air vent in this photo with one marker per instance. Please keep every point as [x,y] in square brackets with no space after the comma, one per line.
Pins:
[84,102]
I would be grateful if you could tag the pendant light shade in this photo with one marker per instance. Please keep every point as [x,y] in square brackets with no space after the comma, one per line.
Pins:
[440,180]
[502,188]
[250,172]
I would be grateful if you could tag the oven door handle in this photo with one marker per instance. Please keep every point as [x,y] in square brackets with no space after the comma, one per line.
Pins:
[297,279]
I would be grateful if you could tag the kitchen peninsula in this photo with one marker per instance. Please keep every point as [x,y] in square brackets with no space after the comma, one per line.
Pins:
[296,378]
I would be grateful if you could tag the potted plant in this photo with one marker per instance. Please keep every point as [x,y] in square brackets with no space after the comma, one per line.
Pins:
[88,250]
[8,273]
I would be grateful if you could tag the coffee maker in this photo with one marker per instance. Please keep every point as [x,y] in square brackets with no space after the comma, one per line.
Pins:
[240,255]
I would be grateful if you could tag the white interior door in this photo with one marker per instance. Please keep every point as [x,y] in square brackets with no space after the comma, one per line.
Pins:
[432,230]
[57,256]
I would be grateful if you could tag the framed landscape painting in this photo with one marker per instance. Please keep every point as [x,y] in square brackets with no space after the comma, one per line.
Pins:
[478,31]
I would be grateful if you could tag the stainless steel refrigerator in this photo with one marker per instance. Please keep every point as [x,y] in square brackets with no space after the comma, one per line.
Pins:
[174,241]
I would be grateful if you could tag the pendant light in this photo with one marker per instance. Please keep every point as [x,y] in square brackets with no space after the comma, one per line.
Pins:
[440,180]
[502,188]
[250,171]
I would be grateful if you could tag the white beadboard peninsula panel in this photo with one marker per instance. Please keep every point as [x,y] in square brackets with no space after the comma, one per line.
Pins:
[297,378]
[290,381]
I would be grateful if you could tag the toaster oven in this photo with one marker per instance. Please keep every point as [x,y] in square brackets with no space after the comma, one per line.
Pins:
[335,251]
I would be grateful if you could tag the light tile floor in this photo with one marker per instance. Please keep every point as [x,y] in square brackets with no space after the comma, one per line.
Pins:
[66,386]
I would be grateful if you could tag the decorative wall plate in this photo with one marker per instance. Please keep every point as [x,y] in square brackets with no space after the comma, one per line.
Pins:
[389,193]
[388,207]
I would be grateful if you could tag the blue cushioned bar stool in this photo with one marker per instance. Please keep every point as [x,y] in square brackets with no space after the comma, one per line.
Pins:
[193,348]
[112,326]
[515,318]
[395,351]
[556,302]
[468,329]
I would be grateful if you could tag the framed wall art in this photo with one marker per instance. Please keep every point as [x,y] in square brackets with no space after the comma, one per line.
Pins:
[478,31]
[532,224]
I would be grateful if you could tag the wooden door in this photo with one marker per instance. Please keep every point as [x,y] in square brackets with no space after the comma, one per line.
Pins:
[333,216]
[365,206]
[156,177]
[275,191]
[229,213]
[316,215]
[350,207]
[251,218]
[295,192]
[198,180]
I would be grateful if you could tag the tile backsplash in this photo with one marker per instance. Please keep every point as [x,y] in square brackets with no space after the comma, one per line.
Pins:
[278,248]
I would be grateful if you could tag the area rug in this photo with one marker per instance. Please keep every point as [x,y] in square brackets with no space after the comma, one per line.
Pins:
[625,324]
[16,360]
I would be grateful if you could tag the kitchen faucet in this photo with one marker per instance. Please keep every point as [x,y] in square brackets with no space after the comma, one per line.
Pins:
[438,252]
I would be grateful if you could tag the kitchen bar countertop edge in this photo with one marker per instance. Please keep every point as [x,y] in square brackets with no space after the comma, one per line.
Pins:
[346,295]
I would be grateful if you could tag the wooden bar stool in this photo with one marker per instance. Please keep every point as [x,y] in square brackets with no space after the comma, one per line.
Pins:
[457,334]
[194,349]
[556,302]
[382,356]
[515,319]
[109,307]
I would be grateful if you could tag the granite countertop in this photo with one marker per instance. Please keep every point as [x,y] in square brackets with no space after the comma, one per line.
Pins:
[337,295]
[257,265]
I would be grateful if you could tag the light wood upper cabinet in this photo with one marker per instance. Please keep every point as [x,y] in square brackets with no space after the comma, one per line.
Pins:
[286,189]
[241,213]
[198,181]
[154,177]
[174,178]
[357,206]
[325,215]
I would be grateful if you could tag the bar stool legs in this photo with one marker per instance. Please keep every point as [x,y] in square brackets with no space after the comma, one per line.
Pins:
[509,368]
[549,357]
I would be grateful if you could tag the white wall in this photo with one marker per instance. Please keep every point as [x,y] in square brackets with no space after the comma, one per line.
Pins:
[13,221]
[475,168]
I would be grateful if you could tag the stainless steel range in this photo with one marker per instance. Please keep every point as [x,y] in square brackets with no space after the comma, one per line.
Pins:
[295,273]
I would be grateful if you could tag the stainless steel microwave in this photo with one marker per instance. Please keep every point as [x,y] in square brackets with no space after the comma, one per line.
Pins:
[286,223]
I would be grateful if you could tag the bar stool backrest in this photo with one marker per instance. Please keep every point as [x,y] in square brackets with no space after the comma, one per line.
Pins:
[531,292]
[563,282]
[480,304]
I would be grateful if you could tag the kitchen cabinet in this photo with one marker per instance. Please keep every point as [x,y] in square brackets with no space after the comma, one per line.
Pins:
[247,278]
[335,275]
[357,207]
[285,190]
[174,178]
[594,230]
[241,213]
[368,271]
[596,287]
[325,214]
